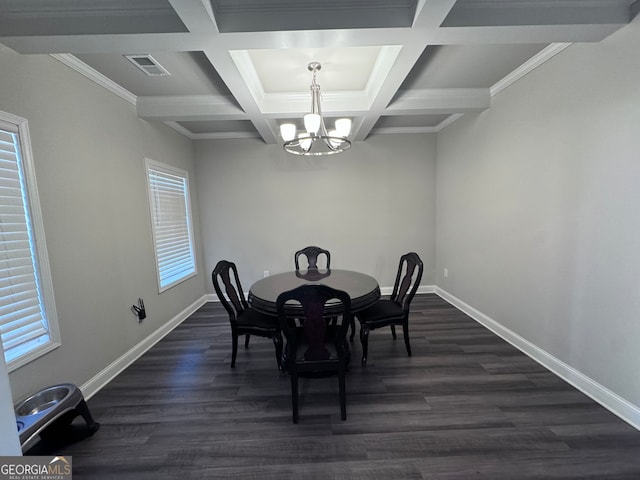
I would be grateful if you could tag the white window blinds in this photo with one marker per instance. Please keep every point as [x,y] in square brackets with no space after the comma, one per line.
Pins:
[24,325]
[171,223]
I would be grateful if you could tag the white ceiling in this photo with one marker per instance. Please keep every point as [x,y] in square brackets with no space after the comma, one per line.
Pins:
[238,68]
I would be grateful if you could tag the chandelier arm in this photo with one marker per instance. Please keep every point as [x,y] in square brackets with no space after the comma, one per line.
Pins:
[337,144]
[323,128]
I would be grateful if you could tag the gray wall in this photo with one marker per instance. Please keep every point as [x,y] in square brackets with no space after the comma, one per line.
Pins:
[367,206]
[538,217]
[534,205]
[89,148]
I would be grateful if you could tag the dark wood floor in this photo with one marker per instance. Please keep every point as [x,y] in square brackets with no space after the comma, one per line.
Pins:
[467,405]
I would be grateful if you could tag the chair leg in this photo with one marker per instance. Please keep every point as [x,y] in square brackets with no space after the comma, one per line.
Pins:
[343,395]
[393,331]
[246,340]
[234,348]
[405,331]
[294,396]
[277,341]
[364,340]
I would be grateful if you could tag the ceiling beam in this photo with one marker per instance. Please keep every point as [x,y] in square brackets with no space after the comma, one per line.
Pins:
[440,100]
[405,61]
[435,22]
[196,15]
[109,43]
[191,107]
[431,13]
[226,68]
[424,33]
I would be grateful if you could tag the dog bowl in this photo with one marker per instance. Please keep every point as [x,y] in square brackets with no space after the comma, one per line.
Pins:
[37,412]
[45,400]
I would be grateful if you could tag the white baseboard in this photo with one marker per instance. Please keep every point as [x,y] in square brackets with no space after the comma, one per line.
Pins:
[211,297]
[95,384]
[620,407]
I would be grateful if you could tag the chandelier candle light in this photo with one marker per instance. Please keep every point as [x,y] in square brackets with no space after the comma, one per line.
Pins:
[316,140]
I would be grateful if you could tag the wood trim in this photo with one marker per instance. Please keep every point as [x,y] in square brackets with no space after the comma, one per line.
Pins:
[102,378]
[611,401]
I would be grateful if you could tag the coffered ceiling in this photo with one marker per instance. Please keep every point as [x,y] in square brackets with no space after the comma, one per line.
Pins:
[238,68]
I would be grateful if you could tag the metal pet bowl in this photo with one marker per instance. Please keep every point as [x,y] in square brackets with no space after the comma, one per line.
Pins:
[40,410]
[46,399]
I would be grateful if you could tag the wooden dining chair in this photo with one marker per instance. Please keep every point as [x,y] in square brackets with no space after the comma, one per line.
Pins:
[395,310]
[244,320]
[315,345]
[312,254]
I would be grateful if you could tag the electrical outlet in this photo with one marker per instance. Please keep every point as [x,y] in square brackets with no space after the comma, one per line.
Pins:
[266,273]
[446,272]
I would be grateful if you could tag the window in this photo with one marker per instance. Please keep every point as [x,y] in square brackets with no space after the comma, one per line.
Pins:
[28,322]
[171,223]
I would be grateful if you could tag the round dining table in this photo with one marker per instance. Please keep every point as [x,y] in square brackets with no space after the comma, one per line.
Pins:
[363,289]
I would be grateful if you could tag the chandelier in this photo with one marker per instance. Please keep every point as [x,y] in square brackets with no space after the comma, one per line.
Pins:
[316,140]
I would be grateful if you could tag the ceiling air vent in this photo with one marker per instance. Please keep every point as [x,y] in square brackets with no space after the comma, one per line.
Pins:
[148,65]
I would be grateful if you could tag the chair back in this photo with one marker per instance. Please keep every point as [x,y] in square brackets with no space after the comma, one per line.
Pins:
[407,279]
[316,342]
[312,253]
[228,288]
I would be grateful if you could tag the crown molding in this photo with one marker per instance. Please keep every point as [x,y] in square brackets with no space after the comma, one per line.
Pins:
[180,129]
[531,64]
[210,136]
[435,129]
[386,130]
[534,62]
[224,135]
[448,121]
[440,100]
[333,103]
[297,102]
[95,76]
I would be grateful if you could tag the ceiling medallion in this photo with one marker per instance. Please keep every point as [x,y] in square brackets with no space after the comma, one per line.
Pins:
[316,140]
